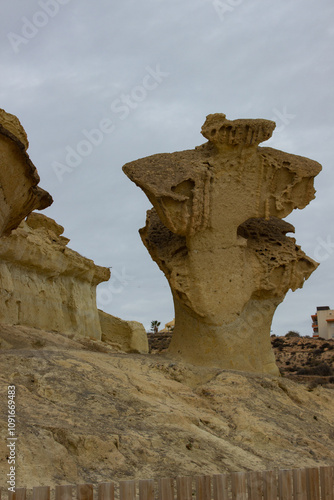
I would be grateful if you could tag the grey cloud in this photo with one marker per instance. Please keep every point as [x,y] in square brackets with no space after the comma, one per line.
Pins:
[264,56]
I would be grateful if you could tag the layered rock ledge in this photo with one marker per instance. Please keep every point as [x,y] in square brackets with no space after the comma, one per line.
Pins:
[45,284]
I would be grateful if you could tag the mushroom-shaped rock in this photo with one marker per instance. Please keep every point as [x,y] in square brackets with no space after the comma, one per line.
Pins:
[217,234]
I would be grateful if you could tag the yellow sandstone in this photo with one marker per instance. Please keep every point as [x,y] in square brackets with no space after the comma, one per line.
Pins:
[44,284]
[217,234]
[19,191]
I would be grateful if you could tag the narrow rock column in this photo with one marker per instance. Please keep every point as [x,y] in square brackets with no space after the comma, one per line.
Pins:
[217,234]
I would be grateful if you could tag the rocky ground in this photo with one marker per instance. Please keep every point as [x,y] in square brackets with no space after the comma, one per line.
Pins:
[306,360]
[87,412]
[302,359]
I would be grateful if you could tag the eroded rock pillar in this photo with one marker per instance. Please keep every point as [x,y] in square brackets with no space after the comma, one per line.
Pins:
[217,234]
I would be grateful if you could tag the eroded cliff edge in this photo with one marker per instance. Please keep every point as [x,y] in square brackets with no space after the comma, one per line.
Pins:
[19,190]
[44,284]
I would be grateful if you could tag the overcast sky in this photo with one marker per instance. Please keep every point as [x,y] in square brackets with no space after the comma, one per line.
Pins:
[98,84]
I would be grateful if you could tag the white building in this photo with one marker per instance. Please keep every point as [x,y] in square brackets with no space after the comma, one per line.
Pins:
[323,322]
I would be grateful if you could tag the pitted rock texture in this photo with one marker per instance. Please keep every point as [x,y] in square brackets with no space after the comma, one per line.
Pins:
[220,131]
[215,231]
[19,191]
[44,284]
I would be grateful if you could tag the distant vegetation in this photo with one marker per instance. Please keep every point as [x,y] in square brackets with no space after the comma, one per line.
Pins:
[323,369]
[155,326]
[292,334]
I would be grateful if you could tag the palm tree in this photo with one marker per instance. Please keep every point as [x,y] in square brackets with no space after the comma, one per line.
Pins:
[155,326]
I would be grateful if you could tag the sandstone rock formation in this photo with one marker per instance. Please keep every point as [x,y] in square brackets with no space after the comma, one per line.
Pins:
[46,285]
[169,327]
[89,414]
[216,232]
[129,335]
[19,191]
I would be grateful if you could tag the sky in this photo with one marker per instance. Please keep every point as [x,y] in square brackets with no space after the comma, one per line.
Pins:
[99,84]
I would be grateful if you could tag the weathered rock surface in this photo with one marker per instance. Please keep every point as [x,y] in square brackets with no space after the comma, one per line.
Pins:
[129,335]
[160,341]
[86,413]
[46,285]
[19,191]
[215,231]
[301,359]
